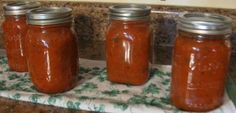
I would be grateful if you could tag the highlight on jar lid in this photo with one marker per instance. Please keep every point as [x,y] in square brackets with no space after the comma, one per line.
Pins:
[20,7]
[205,23]
[49,16]
[129,12]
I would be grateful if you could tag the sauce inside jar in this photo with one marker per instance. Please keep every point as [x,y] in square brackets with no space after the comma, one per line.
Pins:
[15,28]
[53,56]
[128,47]
[200,64]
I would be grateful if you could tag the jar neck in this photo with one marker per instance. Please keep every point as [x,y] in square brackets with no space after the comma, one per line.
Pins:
[203,36]
[15,17]
[68,25]
[130,21]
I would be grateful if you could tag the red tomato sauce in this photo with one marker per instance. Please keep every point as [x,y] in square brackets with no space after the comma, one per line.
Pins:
[128,47]
[200,64]
[53,57]
[15,28]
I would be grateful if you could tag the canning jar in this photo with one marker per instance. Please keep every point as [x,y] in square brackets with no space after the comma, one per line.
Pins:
[128,44]
[14,31]
[200,61]
[52,49]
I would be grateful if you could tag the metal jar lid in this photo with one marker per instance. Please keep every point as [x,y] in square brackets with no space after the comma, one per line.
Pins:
[49,16]
[19,8]
[204,23]
[129,12]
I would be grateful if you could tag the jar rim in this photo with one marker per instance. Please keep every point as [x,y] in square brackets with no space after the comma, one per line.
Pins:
[129,12]
[19,7]
[204,23]
[49,15]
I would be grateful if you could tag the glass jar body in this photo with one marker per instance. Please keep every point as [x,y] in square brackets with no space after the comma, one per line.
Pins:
[52,57]
[14,31]
[127,51]
[199,69]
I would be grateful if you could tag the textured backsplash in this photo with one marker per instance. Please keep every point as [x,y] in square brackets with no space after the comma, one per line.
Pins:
[91,21]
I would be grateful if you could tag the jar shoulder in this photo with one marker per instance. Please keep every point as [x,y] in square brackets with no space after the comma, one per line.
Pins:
[52,35]
[128,30]
[195,45]
[50,32]
[9,25]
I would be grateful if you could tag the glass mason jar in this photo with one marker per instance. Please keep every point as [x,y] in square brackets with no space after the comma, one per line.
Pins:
[14,31]
[200,61]
[128,44]
[52,48]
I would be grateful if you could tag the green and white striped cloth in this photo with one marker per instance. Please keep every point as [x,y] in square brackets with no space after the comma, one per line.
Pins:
[95,93]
